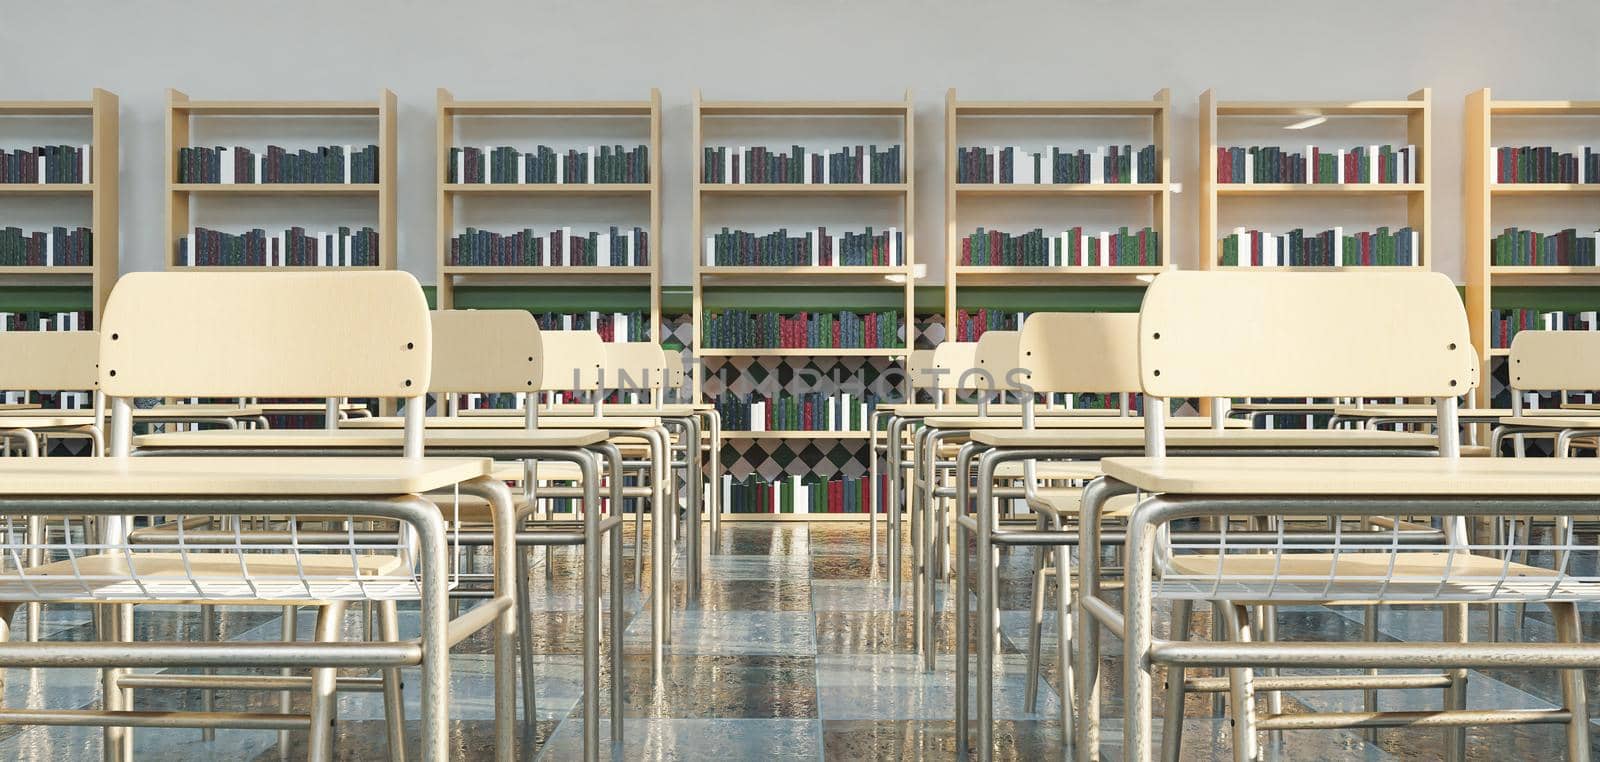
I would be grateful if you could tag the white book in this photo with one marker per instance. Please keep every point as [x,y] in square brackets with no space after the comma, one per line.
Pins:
[188,249]
[727,491]
[461,168]
[1249,168]
[994,163]
[1494,165]
[348,151]
[594,320]
[1588,318]
[811,246]
[561,169]
[522,168]
[1338,245]
[744,161]
[322,251]
[1105,249]
[844,404]
[1372,165]
[41,170]
[1416,248]
[827,169]
[1338,166]
[1083,249]
[261,162]
[603,256]
[590,157]
[1097,173]
[1311,164]
[866,167]
[50,250]
[1241,243]
[1060,257]
[5,320]
[711,251]
[566,243]
[829,413]
[619,326]
[805,169]
[225,159]
[894,248]
[1411,163]
[798,490]
[566,322]
[1022,166]
[758,416]
[85,169]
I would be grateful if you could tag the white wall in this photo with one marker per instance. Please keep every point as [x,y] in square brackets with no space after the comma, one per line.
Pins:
[1247,49]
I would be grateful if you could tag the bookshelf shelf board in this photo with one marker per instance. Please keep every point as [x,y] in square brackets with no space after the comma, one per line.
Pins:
[1060,189]
[547,108]
[1499,352]
[55,270]
[46,108]
[981,273]
[528,189]
[630,272]
[1545,108]
[798,352]
[792,276]
[1059,108]
[797,516]
[272,268]
[1515,270]
[1317,189]
[46,188]
[770,435]
[1514,189]
[279,108]
[267,189]
[804,189]
[1320,108]
[805,108]
[1545,275]
[1325,269]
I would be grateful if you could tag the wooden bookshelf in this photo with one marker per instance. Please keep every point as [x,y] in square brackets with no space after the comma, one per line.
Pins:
[709,278]
[1479,193]
[1158,195]
[646,112]
[102,110]
[1416,112]
[181,113]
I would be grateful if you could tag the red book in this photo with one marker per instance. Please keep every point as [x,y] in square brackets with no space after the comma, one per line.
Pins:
[994,247]
[1224,166]
[1143,253]
[871,330]
[966,251]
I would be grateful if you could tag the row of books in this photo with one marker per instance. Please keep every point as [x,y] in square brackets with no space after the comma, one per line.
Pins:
[544,166]
[615,247]
[1073,247]
[1385,164]
[612,326]
[294,247]
[1013,165]
[79,320]
[60,247]
[801,166]
[50,400]
[811,411]
[239,165]
[815,248]
[798,494]
[738,329]
[1527,247]
[46,164]
[1543,164]
[1330,248]
[970,325]
[1504,325]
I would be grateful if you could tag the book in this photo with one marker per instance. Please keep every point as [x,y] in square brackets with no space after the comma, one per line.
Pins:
[810,411]
[1073,247]
[612,326]
[738,329]
[1330,248]
[294,247]
[1543,164]
[238,165]
[505,165]
[793,493]
[59,247]
[78,320]
[560,247]
[801,166]
[1386,164]
[1051,165]
[1505,324]
[46,165]
[1516,247]
[814,248]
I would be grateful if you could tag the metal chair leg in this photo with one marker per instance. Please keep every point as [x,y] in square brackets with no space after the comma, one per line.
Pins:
[208,699]
[289,629]
[1064,642]
[1455,696]
[1030,694]
[530,704]
[324,692]
[1573,696]
[1172,722]
[1241,690]
[394,705]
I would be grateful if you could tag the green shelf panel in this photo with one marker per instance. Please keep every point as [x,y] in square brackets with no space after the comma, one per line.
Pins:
[548,298]
[1051,299]
[45,298]
[1546,298]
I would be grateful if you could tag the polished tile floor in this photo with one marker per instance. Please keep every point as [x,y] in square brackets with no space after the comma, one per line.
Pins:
[795,651]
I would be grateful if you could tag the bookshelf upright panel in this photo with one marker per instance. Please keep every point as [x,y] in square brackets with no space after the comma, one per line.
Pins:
[95,124]
[511,186]
[1329,180]
[270,188]
[768,271]
[1017,180]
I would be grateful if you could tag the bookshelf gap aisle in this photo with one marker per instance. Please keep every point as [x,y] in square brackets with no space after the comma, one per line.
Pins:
[1053,193]
[551,198]
[1530,184]
[803,293]
[1315,186]
[1306,169]
[58,211]
[266,170]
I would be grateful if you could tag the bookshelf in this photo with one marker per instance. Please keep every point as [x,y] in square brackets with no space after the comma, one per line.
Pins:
[100,114]
[1137,122]
[1410,118]
[1489,206]
[190,122]
[802,205]
[534,120]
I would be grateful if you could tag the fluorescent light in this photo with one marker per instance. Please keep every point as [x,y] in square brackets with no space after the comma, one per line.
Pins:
[1306,123]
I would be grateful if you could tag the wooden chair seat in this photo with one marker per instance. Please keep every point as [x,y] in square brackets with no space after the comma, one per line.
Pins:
[1051,469]
[41,422]
[1075,422]
[221,476]
[968,409]
[502,422]
[379,438]
[1264,438]
[275,578]
[1068,500]
[1547,477]
[1350,578]
[1576,419]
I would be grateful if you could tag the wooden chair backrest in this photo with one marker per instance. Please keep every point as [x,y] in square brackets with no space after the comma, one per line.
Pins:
[634,366]
[1081,351]
[1283,334]
[289,334]
[672,360]
[1554,360]
[918,365]
[572,360]
[486,351]
[49,360]
[996,356]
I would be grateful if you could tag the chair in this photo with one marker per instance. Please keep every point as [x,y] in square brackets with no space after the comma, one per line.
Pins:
[293,334]
[1222,334]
